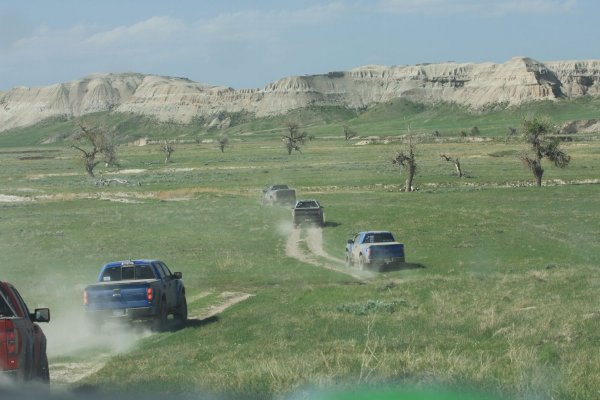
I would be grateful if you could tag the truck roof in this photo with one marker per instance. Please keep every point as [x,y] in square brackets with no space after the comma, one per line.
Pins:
[130,262]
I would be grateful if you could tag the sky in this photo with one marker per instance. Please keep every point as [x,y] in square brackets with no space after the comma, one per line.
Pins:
[248,44]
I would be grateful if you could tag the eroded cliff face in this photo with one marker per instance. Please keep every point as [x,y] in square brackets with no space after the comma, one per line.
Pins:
[100,92]
[180,100]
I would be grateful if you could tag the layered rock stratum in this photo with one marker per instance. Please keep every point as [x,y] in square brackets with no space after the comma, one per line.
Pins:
[477,86]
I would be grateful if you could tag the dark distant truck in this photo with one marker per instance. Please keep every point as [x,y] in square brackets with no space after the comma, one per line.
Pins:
[308,212]
[278,195]
[136,290]
[22,342]
[374,250]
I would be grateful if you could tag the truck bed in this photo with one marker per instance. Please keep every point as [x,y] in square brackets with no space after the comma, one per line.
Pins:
[307,211]
[118,295]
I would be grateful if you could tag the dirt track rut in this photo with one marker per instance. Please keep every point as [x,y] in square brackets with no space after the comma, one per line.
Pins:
[306,245]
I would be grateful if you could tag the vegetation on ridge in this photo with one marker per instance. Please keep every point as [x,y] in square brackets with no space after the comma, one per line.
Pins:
[387,119]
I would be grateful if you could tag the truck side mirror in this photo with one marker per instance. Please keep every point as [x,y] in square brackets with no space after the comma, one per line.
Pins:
[41,315]
[350,241]
[177,275]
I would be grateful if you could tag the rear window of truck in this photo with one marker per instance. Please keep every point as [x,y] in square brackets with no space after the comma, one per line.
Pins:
[127,272]
[307,204]
[382,237]
[5,310]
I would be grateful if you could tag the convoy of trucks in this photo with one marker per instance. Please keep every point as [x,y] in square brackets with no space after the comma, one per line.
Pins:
[146,290]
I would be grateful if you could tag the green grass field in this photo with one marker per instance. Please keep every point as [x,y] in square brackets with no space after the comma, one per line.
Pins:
[506,301]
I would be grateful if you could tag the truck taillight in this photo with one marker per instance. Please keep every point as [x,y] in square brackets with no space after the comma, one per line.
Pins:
[149,294]
[86,300]
[12,344]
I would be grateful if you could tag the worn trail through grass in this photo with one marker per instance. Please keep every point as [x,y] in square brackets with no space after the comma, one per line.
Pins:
[306,245]
[64,373]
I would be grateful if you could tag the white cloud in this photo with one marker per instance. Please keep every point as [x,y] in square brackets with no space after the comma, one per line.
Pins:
[153,29]
[254,24]
[45,40]
[253,28]
[533,6]
[479,7]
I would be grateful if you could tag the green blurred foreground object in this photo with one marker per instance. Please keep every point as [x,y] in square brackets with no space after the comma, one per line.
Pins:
[406,394]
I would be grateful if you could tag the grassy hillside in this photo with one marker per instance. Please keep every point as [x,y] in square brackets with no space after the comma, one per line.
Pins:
[506,300]
[394,118]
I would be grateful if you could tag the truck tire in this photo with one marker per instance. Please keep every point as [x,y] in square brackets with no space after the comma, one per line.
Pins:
[361,262]
[348,260]
[181,315]
[160,320]
[43,372]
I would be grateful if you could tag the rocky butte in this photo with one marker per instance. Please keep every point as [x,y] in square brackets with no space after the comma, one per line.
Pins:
[477,86]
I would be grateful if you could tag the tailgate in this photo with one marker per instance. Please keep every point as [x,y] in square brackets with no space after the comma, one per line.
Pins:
[107,296]
[395,250]
[307,212]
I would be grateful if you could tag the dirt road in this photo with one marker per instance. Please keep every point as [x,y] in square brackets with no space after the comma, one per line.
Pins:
[99,348]
[306,245]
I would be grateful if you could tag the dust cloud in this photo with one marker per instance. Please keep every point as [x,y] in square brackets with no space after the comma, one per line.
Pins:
[75,350]
[285,228]
[69,333]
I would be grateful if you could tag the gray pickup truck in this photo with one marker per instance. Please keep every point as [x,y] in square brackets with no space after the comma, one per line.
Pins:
[308,212]
[374,250]
[130,290]
[278,195]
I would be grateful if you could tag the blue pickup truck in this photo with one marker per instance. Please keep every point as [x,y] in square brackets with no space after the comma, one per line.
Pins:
[131,290]
[374,250]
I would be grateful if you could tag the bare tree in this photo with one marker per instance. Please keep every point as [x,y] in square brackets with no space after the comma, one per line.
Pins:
[222,142]
[101,142]
[456,163]
[168,150]
[511,133]
[536,133]
[294,138]
[349,133]
[406,159]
